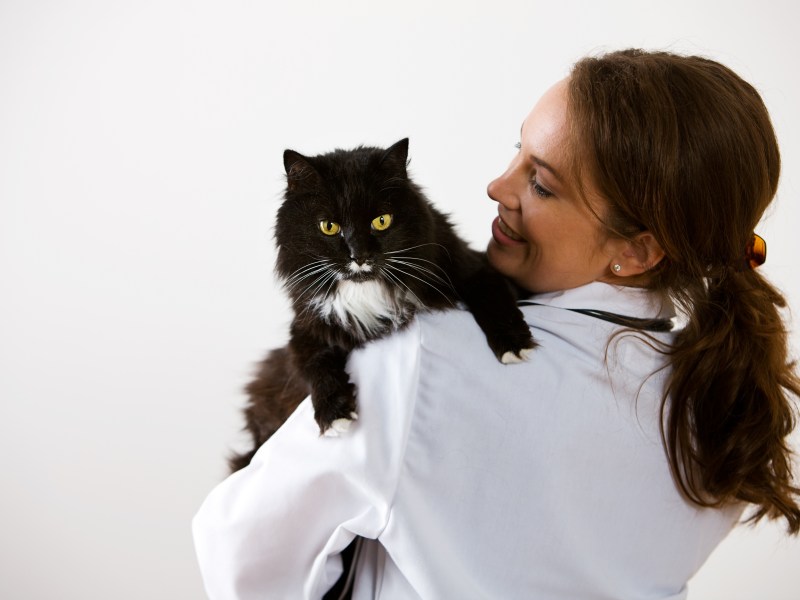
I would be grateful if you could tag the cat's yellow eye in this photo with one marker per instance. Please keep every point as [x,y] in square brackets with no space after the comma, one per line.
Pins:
[382,222]
[328,227]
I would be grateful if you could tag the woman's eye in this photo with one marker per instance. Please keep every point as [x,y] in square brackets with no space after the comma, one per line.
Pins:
[382,222]
[539,190]
[328,227]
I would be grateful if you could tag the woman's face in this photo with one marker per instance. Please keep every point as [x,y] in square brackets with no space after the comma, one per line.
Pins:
[545,238]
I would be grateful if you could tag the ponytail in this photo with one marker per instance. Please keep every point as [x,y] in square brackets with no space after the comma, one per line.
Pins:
[727,410]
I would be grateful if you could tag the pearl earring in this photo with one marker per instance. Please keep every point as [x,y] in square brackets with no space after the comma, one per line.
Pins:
[617,268]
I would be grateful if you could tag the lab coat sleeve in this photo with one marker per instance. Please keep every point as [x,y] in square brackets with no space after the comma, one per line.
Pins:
[275,528]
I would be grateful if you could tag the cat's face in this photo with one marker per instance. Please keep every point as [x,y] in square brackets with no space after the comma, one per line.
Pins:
[353,217]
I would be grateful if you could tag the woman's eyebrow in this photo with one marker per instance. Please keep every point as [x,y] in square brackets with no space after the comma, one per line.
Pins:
[539,162]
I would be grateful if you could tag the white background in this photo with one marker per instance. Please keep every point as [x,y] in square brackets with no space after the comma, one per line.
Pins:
[140,169]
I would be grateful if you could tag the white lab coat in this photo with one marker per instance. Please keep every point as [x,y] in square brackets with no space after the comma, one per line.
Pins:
[473,479]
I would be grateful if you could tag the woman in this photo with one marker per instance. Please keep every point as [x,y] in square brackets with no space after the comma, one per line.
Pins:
[614,461]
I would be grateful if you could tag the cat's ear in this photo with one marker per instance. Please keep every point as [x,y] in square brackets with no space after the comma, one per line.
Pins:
[298,169]
[396,157]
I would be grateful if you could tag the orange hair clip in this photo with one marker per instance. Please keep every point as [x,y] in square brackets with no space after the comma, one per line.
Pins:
[755,252]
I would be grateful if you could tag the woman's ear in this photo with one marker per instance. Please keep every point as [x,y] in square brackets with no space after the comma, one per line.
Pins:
[637,255]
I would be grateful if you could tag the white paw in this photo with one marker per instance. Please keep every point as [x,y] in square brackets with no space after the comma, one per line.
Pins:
[526,353]
[509,358]
[340,426]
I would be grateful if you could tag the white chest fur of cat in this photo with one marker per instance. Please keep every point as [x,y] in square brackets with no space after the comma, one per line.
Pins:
[364,305]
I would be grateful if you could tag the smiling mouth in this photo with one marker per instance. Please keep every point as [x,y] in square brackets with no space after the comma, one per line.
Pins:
[508,231]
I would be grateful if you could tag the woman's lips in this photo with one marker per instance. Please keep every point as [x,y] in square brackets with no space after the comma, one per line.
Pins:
[503,234]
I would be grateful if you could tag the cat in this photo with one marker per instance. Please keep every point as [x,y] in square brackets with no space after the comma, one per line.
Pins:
[360,252]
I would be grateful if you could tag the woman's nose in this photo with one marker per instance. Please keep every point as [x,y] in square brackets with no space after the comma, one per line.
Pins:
[492,189]
[500,191]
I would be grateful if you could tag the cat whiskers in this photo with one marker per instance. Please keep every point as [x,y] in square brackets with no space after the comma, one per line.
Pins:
[445,280]
[329,279]
[317,301]
[392,269]
[420,246]
[395,279]
[309,270]
[323,275]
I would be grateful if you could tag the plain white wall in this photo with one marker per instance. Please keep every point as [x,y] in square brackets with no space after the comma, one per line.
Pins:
[140,168]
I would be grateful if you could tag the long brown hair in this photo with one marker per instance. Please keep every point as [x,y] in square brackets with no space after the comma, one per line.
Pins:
[682,147]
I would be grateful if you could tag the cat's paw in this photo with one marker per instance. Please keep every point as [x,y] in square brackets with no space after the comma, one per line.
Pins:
[514,345]
[340,426]
[510,357]
[336,411]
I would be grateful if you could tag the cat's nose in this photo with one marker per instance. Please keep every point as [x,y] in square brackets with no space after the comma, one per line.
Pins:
[359,265]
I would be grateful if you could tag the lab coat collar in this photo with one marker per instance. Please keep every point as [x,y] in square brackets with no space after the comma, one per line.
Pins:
[622,300]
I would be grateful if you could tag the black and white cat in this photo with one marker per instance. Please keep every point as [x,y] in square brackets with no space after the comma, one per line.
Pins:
[360,252]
